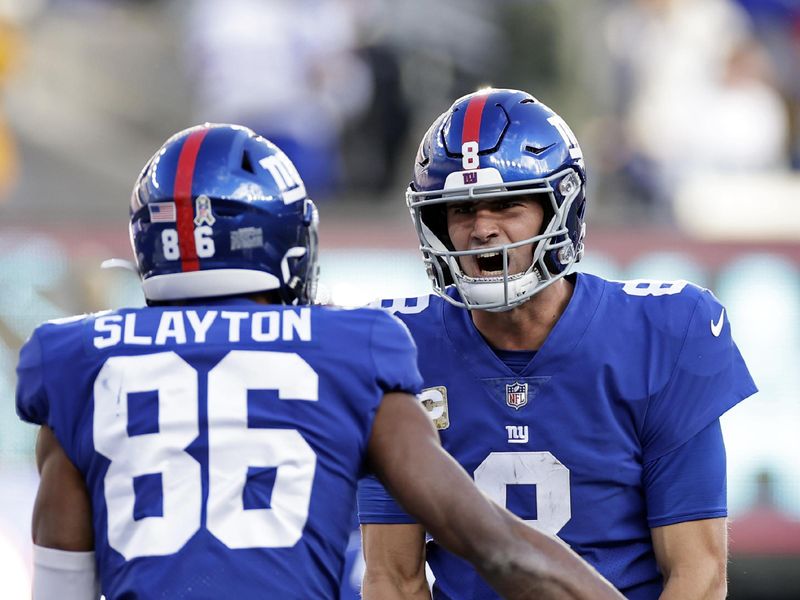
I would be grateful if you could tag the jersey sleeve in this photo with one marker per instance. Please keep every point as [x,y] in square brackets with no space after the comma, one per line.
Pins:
[32,402]
[708,378]
[394,355]
[689,483]
[377,506]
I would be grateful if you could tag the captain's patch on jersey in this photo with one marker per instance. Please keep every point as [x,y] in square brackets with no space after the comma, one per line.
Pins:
[434,399]
[516,395]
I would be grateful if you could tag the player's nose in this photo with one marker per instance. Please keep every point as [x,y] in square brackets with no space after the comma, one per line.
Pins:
[485,225]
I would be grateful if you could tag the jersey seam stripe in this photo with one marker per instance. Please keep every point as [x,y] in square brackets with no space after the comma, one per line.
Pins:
[671,379]
[182,192]
[471,131]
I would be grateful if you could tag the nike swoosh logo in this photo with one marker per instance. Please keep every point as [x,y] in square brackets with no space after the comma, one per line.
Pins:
[716,328]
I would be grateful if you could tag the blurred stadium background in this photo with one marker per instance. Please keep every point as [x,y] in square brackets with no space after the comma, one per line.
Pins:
[688,112]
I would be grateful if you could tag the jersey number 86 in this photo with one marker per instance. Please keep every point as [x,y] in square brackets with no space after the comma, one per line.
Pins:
[232,449]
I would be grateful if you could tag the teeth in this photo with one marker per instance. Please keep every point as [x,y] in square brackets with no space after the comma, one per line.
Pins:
[488,255]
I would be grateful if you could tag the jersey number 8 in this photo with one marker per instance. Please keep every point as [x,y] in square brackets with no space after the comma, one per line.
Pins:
[232,449]
[542,469]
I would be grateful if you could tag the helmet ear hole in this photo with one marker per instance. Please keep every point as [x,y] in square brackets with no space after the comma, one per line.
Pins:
[548,212]
[581,210]
[435,217]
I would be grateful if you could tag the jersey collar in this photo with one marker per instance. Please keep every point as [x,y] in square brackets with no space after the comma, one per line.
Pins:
[557,348]
[224,301]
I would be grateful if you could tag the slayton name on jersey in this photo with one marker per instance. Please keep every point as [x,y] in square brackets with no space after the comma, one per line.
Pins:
[191,326]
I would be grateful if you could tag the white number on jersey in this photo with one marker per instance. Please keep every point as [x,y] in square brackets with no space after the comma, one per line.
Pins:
[653,287]
[161,452]
[232,448]
[542,469]
[401,305]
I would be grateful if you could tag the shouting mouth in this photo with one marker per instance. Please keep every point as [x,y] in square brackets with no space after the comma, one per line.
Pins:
[490,264]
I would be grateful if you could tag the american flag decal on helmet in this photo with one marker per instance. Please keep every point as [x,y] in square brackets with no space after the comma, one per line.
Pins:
[162,212]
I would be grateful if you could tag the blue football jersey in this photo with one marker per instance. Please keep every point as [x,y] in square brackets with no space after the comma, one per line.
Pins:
[221,442]
[577,442]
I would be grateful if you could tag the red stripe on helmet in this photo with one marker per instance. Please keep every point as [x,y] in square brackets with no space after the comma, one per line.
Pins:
[183,199]
[472,120]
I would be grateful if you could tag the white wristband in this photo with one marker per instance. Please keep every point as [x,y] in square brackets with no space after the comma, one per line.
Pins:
[63,575]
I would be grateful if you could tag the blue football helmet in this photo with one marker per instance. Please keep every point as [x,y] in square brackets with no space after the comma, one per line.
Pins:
[489,145]
[219,211]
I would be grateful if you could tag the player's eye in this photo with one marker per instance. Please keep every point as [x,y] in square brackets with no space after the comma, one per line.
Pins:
[506,204]
[463,208]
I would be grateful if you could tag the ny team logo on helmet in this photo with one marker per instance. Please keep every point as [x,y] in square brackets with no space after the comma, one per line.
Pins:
[494,144]
[218,211]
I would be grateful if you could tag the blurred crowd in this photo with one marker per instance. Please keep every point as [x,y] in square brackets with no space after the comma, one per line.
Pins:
[702,87]
[661,92]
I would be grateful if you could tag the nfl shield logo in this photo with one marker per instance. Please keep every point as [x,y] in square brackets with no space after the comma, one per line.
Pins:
[470,178]
[516,395]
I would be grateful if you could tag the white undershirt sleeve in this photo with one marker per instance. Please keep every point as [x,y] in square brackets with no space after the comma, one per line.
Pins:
[63,575]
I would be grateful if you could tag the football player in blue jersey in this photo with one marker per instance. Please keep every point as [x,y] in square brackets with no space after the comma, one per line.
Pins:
[588,407]
[209,445]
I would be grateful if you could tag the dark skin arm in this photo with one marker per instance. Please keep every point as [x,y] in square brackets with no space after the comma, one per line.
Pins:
[62,512]
[395,562]
[515,559]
